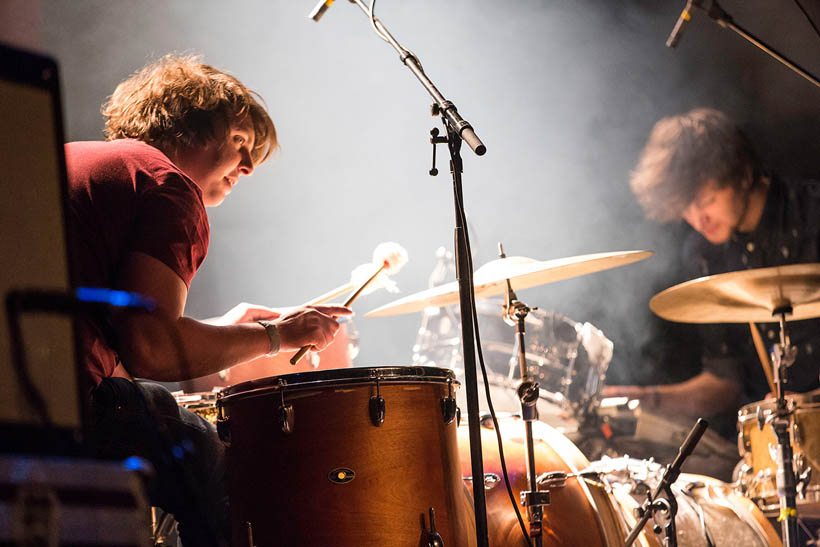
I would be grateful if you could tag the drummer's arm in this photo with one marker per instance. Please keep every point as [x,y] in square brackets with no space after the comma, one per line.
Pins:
[166,346]
[704,394]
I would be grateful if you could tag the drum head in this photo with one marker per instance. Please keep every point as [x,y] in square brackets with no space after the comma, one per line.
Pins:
[339,377]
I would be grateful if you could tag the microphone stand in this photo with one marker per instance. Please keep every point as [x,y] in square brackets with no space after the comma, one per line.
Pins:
[458,129]
[719,15]
[660,504]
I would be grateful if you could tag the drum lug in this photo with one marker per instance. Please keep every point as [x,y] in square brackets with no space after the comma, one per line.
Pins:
[377,405]
[761,419]
[797,434]
[377,410]
[448,405]
[803,481]
[433,537]
[286,413]
[448,409]
[223,425]
[286,417]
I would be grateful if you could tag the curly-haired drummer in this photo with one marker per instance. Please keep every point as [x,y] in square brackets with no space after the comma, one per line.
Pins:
[180,135]
[700,167]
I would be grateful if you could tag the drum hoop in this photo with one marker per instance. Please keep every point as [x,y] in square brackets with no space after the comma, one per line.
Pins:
[797,402]
[338,377]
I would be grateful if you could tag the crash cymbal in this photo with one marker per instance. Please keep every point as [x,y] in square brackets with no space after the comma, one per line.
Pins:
[743,296]
[523,273]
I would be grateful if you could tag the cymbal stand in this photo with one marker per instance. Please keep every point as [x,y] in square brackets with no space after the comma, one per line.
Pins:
[660,504]
[783,356]
[515,312]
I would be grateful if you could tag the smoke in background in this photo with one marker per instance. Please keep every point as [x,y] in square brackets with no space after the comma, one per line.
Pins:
[563,93]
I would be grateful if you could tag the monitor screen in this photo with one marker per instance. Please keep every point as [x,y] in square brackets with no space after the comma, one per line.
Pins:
[33,240]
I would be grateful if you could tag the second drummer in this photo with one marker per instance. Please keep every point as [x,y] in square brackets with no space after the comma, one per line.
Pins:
[700,167]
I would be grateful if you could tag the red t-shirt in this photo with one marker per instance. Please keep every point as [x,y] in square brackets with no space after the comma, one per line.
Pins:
[126,196]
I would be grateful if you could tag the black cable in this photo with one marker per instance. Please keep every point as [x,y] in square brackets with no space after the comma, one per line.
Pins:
[31,393]
[479,482]
[808,17]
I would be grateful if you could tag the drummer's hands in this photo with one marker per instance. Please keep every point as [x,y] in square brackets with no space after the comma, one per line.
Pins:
[246,313]
[313,326]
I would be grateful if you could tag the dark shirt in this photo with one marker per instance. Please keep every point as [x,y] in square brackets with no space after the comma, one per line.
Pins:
[788,233]
[126,196]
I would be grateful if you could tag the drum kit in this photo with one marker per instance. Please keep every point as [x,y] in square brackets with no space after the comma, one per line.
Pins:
[380,456]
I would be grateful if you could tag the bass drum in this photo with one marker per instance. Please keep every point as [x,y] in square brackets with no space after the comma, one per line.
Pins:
[579,514]
[710,513]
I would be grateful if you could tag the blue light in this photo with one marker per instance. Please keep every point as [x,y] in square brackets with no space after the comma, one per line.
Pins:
[120,299]
[134,464]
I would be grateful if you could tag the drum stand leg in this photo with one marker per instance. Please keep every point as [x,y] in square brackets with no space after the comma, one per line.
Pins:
[783,357]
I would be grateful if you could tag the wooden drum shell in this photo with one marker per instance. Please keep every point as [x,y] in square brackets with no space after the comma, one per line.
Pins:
[279,482]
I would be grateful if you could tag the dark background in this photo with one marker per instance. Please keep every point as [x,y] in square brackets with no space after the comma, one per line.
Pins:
[563,93]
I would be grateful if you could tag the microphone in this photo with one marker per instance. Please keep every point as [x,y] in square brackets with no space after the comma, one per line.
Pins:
[677,32]
[320,9]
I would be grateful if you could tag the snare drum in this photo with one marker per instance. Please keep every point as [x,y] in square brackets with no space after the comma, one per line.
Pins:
[345,457]
[757,445]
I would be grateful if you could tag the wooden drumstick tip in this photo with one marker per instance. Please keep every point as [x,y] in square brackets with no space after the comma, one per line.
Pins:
[299,354]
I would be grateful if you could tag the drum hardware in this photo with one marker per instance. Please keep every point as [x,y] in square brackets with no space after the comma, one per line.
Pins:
[490,480]
[250,534]
[783,356]
[515,313]
[286,413]
[660,504]
[376,404]
[223,425]
[433,537]
[448,405]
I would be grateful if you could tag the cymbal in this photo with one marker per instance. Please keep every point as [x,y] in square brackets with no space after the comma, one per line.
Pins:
[523,273]
[743,296]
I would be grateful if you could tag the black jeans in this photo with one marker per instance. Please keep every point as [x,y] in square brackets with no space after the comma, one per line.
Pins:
[143,419]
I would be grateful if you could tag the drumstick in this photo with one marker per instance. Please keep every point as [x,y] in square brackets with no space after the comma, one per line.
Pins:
[762,355]
[392,257]
[330,295]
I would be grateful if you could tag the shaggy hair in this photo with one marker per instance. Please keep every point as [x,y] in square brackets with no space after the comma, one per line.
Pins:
[685,152]
[177,102]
